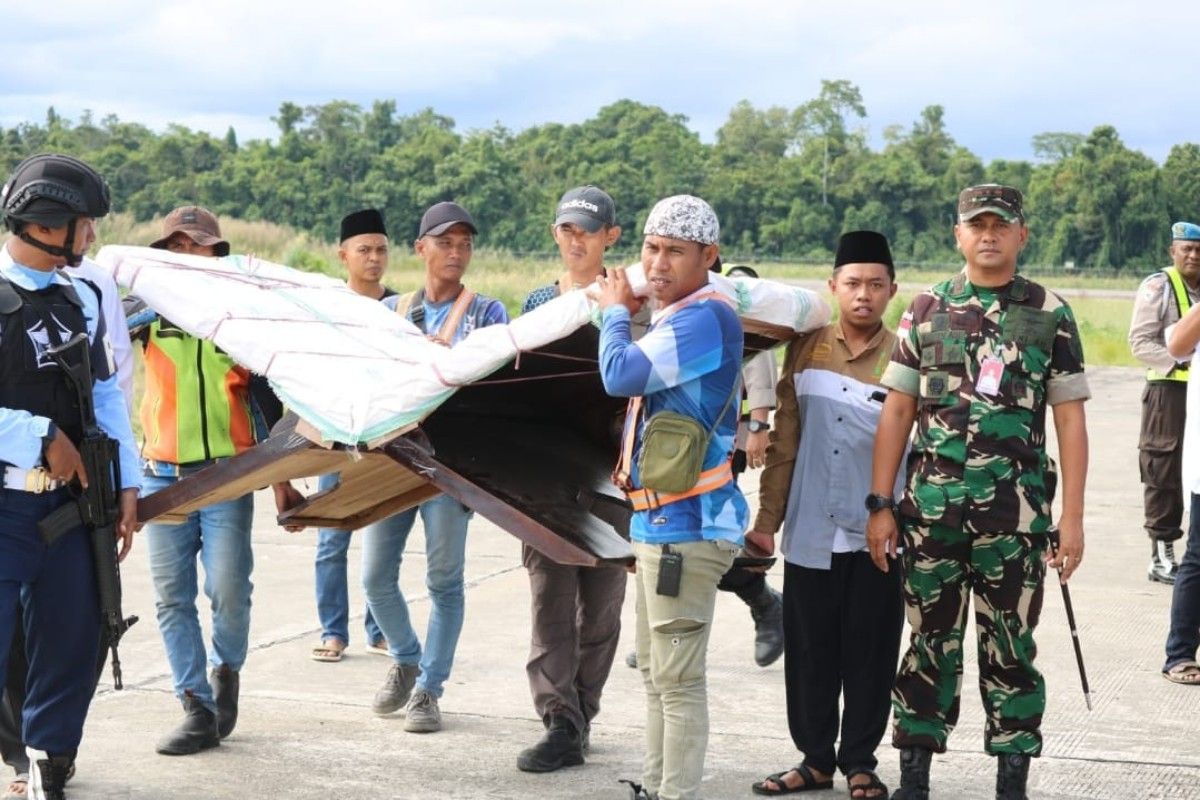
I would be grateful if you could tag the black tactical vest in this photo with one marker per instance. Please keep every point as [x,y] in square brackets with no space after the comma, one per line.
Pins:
[29,379]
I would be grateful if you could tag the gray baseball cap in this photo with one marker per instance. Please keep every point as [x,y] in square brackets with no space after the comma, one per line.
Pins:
[441,217]
[588,207]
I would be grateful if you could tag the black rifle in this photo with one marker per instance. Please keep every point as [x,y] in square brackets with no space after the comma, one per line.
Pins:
[97,507]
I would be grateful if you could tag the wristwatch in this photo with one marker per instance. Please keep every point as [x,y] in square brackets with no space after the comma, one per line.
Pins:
[878,502]
[48,437]
[758,426]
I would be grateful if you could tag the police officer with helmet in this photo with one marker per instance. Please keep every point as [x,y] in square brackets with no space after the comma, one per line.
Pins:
[50,204]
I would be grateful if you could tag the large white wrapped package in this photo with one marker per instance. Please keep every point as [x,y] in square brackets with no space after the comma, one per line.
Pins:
[346,364]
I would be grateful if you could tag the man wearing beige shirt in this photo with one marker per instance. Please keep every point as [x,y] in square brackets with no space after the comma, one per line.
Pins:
[1161,300]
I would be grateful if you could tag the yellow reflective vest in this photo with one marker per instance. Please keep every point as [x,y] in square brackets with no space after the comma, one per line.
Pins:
[1182,303]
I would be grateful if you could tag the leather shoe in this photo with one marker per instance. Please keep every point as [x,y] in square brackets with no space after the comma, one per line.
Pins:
[559,747]
[226,683]
[197,732]
[767,611]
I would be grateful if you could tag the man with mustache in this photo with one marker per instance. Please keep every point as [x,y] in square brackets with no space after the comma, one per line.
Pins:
[978,360]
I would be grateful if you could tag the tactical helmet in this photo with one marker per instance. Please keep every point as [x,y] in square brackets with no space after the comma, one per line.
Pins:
[52,189]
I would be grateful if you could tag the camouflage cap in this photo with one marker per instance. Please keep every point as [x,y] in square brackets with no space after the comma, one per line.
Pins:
[1185,231]
[991,198]
[684,217]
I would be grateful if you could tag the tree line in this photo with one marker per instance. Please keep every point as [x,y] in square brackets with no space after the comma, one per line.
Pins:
[784,182]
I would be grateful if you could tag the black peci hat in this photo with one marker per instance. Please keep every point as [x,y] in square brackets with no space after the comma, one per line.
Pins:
[368,220]
[864,247]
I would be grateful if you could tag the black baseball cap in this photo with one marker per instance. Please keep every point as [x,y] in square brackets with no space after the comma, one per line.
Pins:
[588,207]
[441,217]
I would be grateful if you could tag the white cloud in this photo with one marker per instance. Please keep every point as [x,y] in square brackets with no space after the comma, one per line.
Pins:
[1002,72]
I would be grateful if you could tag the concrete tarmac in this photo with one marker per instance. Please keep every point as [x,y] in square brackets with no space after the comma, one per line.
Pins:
[306,728]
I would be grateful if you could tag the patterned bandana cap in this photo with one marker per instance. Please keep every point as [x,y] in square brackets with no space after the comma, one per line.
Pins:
[683,217]
[1185,231]
[993,198]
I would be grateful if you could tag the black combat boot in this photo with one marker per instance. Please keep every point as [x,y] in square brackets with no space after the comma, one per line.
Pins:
[767,611]
[561,746]
[225,685]
[197,732]
[48,777]
[1163,565]
[914,774]
[1012,771]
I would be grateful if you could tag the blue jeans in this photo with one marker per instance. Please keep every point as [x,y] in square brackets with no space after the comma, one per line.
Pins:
[445,522]
[1183,637]
[220,535]
[333,595]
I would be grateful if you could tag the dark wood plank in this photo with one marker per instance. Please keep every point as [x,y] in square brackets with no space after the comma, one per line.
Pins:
[499,510]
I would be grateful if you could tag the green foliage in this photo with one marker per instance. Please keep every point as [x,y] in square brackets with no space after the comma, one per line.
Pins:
[784,181]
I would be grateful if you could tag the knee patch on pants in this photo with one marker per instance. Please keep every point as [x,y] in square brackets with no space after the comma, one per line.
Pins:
[677,651]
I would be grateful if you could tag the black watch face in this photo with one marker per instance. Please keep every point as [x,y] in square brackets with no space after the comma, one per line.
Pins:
[876,502]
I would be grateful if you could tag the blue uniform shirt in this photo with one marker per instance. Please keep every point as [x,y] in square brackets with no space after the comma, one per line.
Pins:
[21,432]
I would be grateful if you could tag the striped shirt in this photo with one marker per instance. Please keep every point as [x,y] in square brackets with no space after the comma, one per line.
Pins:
[819,463]
[688,363]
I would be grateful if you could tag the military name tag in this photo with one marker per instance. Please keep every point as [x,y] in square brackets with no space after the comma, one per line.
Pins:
[991,371]
[1030,326]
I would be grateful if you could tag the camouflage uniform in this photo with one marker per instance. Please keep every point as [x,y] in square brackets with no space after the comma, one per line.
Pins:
[976,510]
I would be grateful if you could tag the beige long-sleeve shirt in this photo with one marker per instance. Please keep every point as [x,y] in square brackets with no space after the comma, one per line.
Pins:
[1153,310]
[758,382]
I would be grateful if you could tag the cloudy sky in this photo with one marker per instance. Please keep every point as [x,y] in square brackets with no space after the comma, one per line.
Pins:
[1003,71]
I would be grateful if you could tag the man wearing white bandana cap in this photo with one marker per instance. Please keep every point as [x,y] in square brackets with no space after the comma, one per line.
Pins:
[689,363]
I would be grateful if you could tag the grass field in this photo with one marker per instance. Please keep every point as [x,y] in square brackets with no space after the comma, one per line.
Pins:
[1103,321]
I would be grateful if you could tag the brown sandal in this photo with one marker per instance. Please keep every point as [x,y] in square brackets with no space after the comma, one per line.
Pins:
[1185,673]
[330,651]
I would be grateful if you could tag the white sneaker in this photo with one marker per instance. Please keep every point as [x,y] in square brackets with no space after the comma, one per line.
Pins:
[422,714]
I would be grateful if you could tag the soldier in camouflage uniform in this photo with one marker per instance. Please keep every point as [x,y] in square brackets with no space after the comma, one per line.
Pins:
[977,361]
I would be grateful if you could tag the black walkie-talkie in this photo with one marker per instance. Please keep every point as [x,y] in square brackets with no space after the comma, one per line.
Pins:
[670,572]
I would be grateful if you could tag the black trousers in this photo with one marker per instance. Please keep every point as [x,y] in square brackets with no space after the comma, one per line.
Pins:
[841,637]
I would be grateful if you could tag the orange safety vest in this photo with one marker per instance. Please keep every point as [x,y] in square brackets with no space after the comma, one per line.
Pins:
[196,404]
